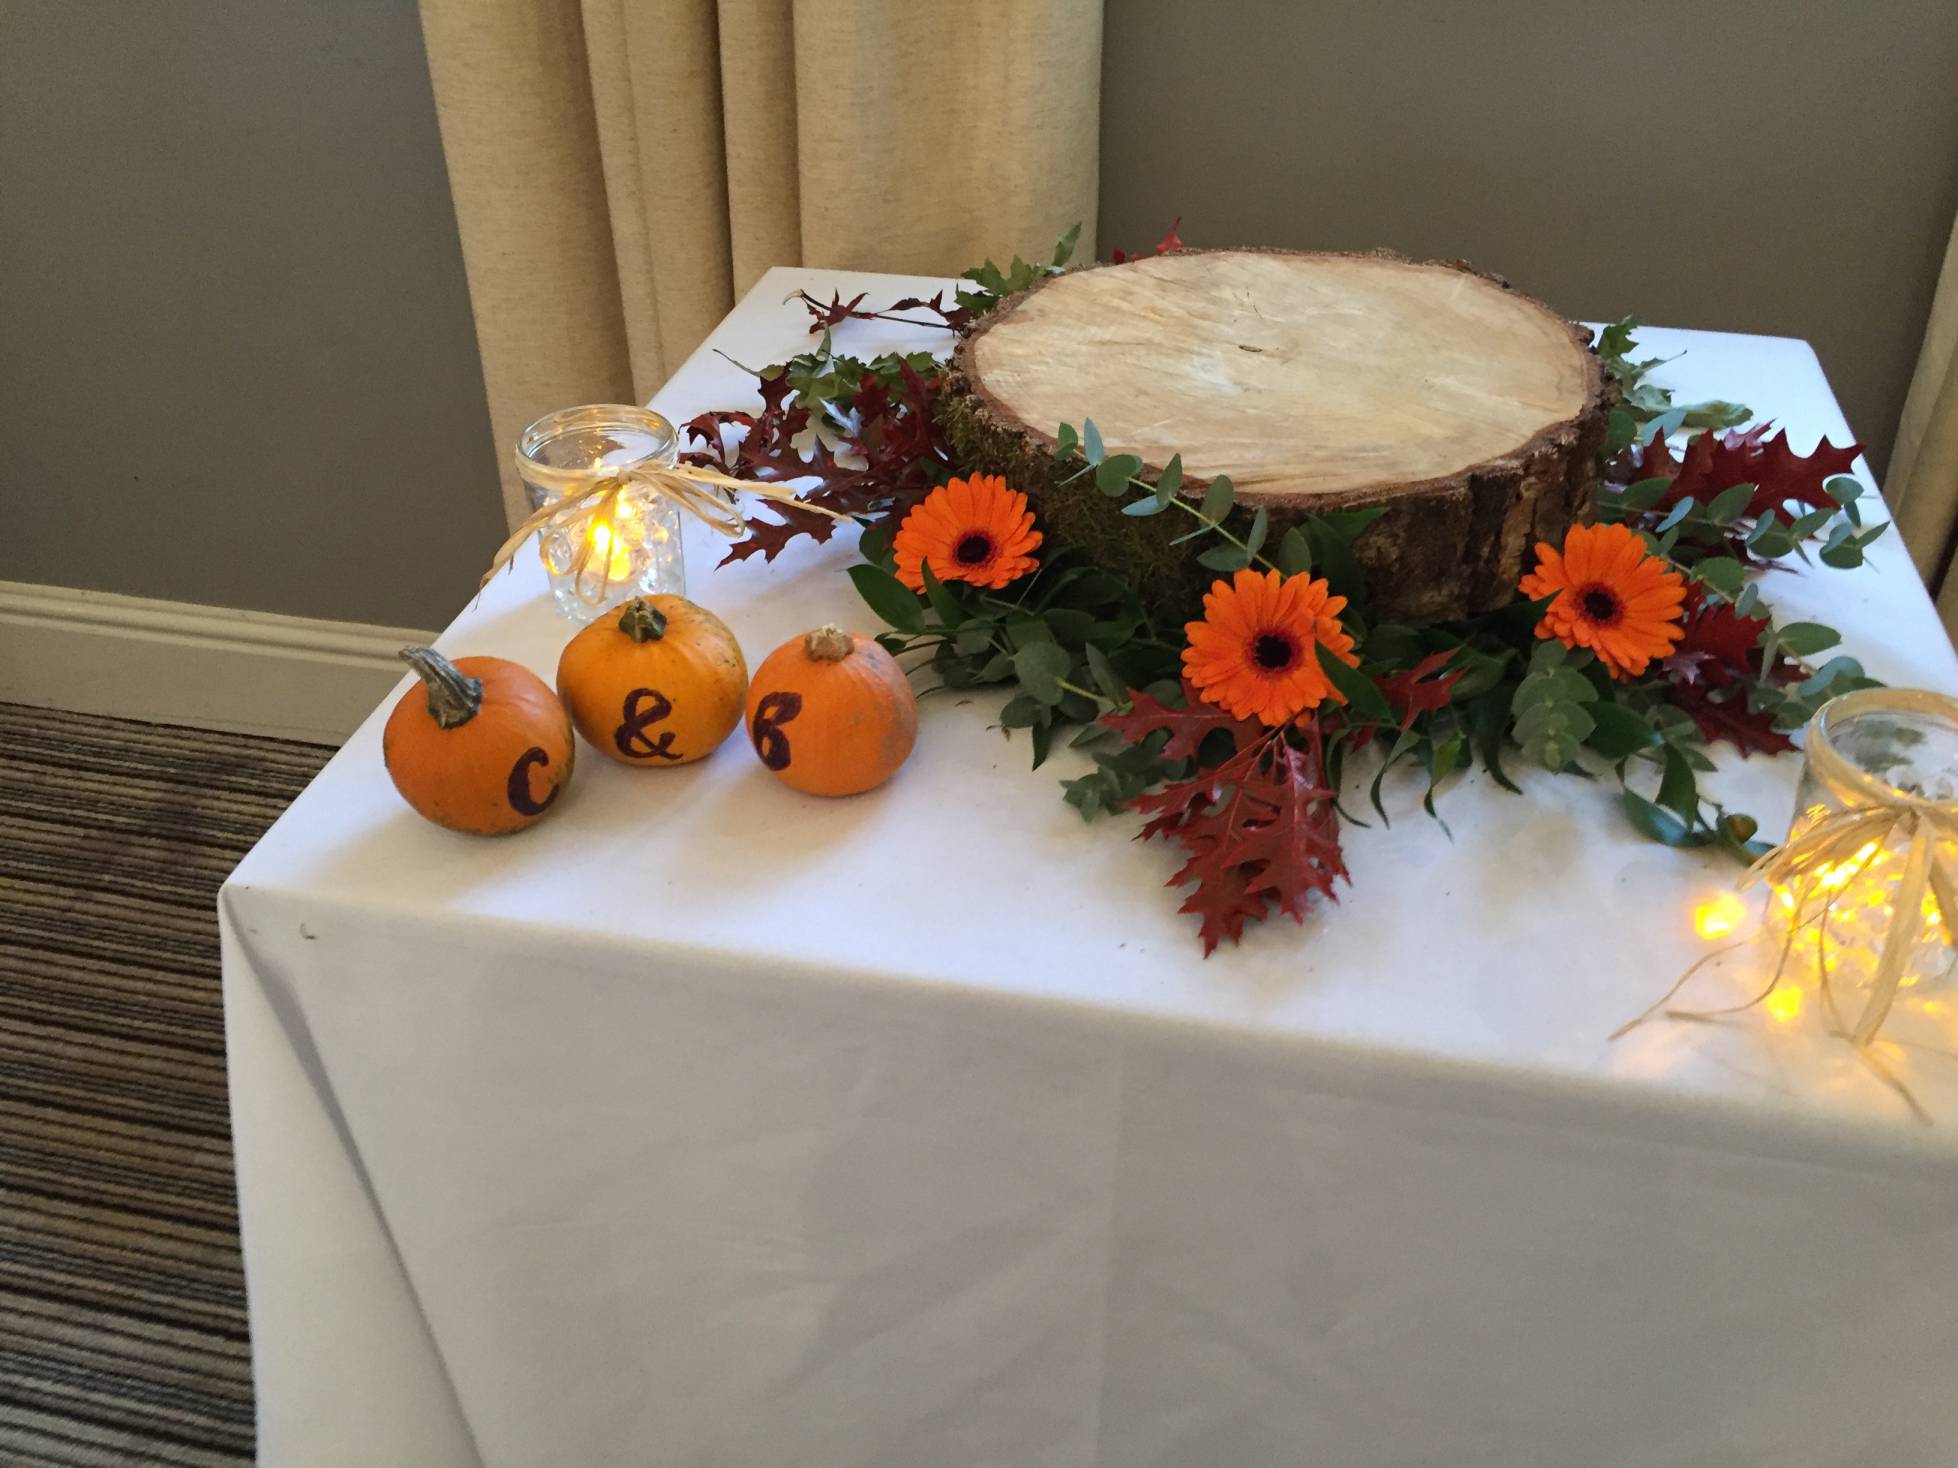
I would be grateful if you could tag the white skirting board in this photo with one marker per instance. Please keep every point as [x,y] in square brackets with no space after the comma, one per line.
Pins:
[177,663]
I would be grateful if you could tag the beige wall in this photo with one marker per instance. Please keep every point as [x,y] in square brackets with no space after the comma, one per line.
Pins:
[1742,165]
[236,361]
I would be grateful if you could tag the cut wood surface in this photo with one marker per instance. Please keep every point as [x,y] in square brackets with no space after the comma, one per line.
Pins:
[1316,382]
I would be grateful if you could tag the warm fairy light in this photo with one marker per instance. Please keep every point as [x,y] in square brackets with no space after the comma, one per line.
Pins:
[1784,1003]
[1719,917]
[611,556]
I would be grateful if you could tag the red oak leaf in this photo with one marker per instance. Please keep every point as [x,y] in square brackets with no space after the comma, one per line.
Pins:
[1716,657]
[895,436]
[822,317]
[1420,689]
[1730,719]
[1257,830]
[1300,846]
[1714,462]
[1188,726]
[953,316]
[1718,644]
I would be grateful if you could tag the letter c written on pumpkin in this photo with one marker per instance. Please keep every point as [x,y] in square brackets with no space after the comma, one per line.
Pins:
[521,800]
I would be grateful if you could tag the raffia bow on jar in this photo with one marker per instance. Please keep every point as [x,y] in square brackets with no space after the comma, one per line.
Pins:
[608,498]
[1862,898]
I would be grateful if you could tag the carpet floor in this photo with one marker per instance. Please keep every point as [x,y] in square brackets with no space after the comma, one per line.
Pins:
[122,1298]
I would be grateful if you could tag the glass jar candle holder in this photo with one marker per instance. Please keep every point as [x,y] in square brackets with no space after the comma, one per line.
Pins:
[634,548]
[1874,751]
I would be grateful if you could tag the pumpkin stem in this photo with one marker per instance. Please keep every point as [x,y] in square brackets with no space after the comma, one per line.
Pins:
[828,644]
[453,699]
[642,621]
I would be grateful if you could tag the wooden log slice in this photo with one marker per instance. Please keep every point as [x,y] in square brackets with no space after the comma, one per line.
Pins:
[1474,415]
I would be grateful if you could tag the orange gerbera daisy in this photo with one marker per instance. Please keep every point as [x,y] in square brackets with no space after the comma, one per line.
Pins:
[973,530]
[1255,653]
[1613,596]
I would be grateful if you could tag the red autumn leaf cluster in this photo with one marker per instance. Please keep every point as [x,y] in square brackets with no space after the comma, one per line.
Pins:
[827,315]
[895,435]
[1170,241]
[1258,831]
[1713,462]
[1708,673]
[1188,726]
[1421,689]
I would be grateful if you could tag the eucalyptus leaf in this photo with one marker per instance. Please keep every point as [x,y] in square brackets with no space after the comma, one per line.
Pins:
[1040,666]
[1725,506]
[1294,553]
[1106,678]
[1019,712]
[1091,448]
[1254,539]
[1824,677]
[1112,474]
[1171,479]
[1804,639]
[1675,515]
[1643,494]
[1723,573]
[1217,499]
[1225,558]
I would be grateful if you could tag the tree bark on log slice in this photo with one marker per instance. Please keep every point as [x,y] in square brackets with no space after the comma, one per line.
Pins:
[1472,414]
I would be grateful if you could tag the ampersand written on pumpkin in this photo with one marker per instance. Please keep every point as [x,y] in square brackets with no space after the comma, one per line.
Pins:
[521,800]
[644,706]
[774,710]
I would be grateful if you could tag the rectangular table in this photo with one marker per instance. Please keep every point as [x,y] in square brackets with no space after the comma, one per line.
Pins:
[711,1124]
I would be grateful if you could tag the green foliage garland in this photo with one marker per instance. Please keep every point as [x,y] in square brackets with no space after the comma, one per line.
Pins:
[1080,657]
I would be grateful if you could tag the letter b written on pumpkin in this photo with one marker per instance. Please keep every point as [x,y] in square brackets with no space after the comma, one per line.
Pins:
[774,710]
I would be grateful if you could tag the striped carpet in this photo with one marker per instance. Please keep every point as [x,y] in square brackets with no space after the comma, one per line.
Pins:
[122,1303]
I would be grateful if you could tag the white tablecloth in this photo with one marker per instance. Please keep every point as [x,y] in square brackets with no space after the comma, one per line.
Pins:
[711,1124]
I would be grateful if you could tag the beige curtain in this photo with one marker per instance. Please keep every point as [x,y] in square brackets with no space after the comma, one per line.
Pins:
[624,169]
[1923,480]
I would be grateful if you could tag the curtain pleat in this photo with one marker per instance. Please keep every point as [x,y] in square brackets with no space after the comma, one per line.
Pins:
[624,169]
[758,123]
[1923,483]
[518,129]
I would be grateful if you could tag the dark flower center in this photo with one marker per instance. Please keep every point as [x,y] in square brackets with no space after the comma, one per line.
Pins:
[974,549]
[1274,651]
[1600,604]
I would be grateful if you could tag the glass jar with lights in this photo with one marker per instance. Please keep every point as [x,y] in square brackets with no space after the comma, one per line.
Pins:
[1877,808]
[631,544]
